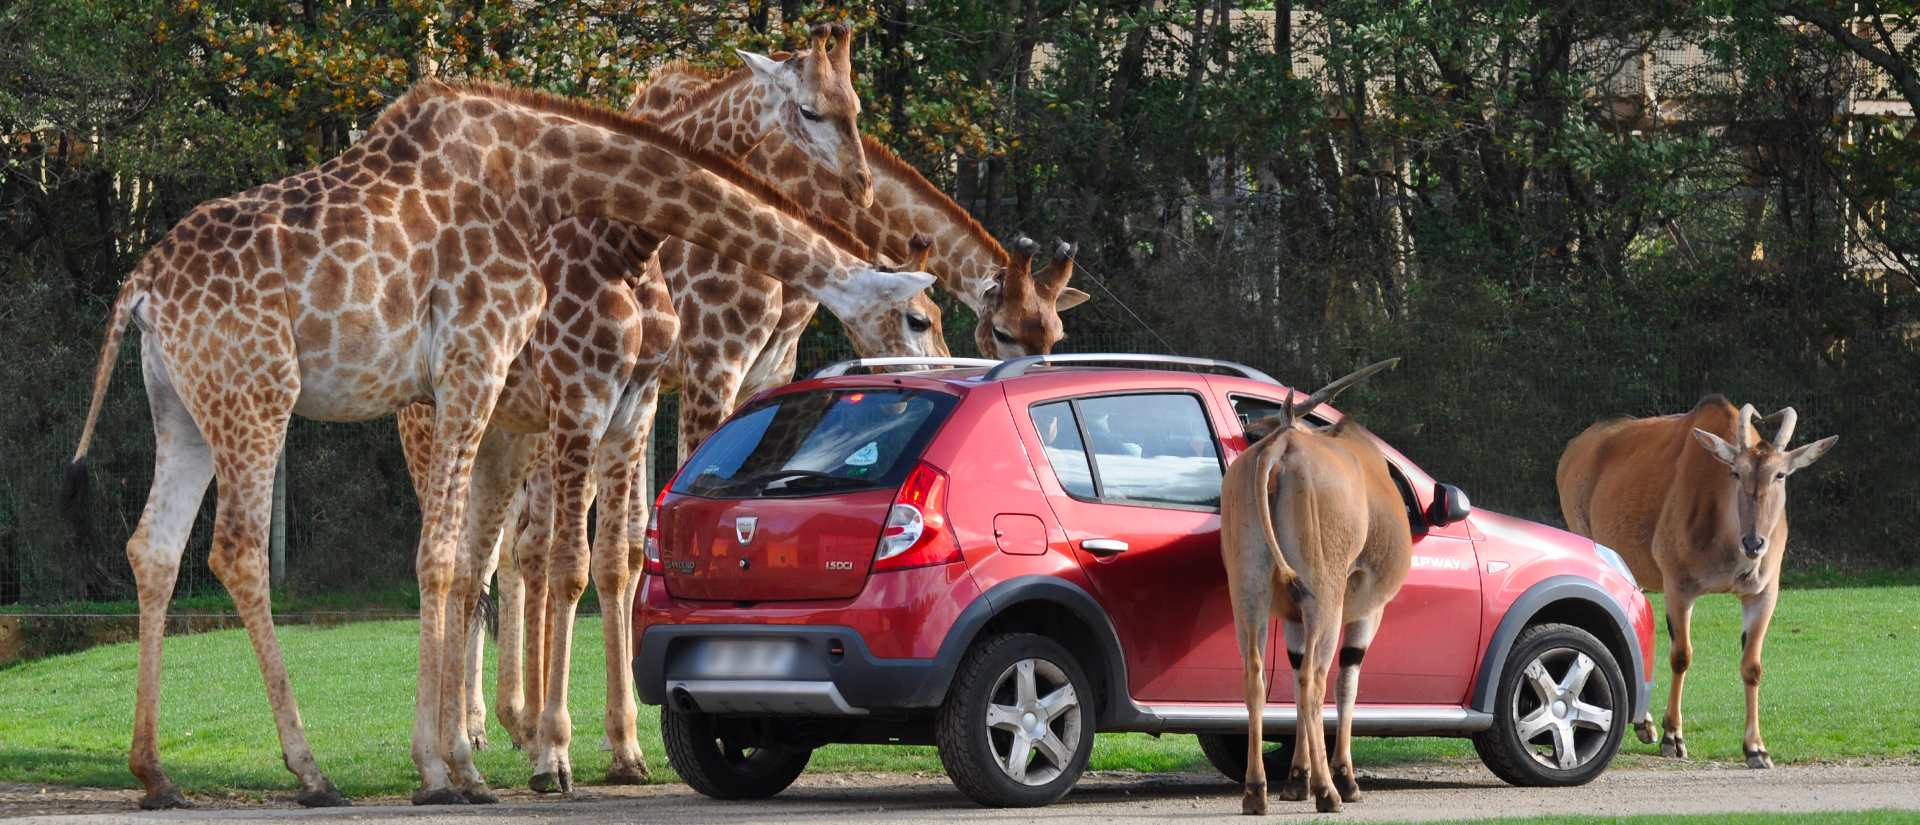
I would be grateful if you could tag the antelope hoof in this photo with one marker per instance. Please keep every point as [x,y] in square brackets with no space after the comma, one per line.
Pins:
[325,796]
[1254,801]
[164,800]
[552,783]
[1295,788]
[1644,730]
[480,795]
[439,796]
[1327,803]
[1758,758]
[1673,746]
[1344,783]
[628,774]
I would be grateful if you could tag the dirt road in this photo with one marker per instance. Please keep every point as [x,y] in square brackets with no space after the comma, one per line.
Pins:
[1408,793]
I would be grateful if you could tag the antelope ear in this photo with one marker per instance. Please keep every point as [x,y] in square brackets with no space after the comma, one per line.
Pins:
[1717,446]
[899,286]
[765,69]
[1068,299]
[1258,430]
[1799,458]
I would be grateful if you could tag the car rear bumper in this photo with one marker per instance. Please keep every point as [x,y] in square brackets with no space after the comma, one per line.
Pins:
[815,682]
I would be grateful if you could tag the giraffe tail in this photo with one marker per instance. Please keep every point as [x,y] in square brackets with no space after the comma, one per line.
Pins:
[72,499]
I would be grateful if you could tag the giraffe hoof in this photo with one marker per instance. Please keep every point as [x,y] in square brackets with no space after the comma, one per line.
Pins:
[479,741]
[479,795]
[1327,803]
[164,800]
[1346,785]
[1758,758]
[325,796]
[439,796]
[1254,801]
[561,782]
[1673,747]
[1644,730]
[628,774]
[1295,788]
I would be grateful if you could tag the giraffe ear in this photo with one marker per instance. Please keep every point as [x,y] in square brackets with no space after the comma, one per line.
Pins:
[765,69]
[895,287]
[1068,299]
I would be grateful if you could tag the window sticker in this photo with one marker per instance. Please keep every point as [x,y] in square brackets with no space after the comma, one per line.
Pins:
[865,456]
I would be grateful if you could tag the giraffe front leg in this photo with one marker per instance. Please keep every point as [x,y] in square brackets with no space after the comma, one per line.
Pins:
[616,560]
[534,547]
[1756,612]
[1673,742]
[567,575]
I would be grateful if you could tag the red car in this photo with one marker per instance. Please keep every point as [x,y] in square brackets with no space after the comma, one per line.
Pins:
[1003,558]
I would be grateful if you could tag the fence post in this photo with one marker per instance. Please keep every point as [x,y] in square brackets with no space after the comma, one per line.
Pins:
[277,534]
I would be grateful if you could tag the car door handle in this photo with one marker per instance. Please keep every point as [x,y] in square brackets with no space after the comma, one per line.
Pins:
[1103,547]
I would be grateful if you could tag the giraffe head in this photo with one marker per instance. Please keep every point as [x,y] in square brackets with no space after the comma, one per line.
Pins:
[814,103]
[1020,312]
[907,327]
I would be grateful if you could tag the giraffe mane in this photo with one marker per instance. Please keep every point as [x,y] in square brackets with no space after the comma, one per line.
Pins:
[717,84]
[879,155]
[593,114]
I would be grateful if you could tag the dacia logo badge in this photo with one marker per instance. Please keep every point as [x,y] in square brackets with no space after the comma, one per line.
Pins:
[743,528]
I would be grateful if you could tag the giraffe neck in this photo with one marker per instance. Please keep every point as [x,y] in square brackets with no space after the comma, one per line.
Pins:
[539,160]
[740,115]
[964,259]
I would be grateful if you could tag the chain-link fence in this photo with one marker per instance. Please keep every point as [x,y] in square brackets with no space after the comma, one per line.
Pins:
[1493,422]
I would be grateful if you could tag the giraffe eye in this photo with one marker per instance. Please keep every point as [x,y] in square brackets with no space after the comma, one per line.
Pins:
[1003,336]
[919,323]
[811,114]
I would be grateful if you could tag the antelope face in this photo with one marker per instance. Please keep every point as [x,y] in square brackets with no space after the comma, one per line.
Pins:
[818,109]
[1760,471]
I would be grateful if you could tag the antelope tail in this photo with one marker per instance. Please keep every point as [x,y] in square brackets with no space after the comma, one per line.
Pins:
[72,499]
[1267,460]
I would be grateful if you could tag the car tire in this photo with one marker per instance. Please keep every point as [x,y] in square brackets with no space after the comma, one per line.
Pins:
[1553,727]
[709,757]
[1017,699]
[1227,753]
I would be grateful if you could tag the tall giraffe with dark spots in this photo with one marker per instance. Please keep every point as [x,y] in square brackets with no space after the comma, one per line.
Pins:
[399,272]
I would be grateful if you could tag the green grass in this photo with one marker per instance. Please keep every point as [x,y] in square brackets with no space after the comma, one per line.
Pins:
[1841,681]
[1846,817]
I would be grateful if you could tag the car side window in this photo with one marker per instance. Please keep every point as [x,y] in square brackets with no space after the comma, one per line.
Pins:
[1250,408]
[1149,449]
[1060,438]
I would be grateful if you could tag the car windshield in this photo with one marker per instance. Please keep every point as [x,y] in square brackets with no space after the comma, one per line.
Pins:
[812,443]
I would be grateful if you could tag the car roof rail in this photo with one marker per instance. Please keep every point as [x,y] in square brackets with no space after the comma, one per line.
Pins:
[840,368]
[1016,367]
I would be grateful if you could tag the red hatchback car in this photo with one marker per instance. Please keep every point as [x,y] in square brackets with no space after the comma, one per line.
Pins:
[1003,558]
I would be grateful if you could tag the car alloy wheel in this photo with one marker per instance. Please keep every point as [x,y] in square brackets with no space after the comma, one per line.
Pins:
[1560,711]
[1016,728]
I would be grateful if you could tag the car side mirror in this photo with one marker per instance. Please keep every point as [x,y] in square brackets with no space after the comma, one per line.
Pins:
[1449,505]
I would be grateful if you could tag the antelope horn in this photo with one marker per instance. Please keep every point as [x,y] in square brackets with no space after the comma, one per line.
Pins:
[1743,431]
[1326,393]
[919,248]
[843,52]
[1787,418]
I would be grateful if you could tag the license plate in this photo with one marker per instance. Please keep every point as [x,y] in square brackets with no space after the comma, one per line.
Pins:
[748,658]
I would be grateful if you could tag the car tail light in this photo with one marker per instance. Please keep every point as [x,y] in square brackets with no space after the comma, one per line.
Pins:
[653,529]
[917,533]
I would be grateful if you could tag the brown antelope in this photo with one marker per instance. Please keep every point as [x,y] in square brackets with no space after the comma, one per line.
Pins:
[1313,530]
[1686,526]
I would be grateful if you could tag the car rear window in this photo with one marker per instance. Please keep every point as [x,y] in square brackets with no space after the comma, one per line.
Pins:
[816,443]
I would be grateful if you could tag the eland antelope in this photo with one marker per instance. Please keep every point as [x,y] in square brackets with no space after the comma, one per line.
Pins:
[1687,526]
[1313,530]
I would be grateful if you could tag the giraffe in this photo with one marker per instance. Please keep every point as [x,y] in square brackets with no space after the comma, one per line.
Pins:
[587,267]
[746,331]
[397,272]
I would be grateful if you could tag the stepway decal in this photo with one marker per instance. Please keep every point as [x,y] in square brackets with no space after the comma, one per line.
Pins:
[1437,563]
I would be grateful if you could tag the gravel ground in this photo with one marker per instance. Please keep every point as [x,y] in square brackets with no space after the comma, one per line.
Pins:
[1403,793]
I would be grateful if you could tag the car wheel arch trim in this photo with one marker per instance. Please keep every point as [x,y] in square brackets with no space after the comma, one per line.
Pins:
[1520,615]
[1119,709]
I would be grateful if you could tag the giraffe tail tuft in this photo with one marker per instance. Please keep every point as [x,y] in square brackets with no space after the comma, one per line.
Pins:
[73,496]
